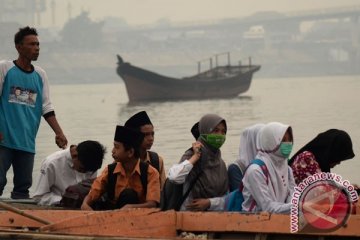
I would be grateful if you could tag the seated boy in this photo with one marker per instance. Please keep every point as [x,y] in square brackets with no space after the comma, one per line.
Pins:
[123,181]
[67,167]
[141,122]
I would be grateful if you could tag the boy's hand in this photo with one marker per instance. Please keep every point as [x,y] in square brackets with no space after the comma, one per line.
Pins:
[85,206]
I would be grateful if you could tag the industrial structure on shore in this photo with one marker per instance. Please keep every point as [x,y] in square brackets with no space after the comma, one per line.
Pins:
[318,42]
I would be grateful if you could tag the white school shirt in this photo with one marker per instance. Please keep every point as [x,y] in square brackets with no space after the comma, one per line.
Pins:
[56,174]
[256,189]
[178,173]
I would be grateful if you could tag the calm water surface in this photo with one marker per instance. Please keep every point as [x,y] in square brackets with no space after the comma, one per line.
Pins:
[309,105]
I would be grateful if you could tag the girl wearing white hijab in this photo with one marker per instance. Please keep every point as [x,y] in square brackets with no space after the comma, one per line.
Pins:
[247,153]
[270,193]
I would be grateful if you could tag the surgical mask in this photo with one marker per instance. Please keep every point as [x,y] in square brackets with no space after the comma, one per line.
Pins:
[214,140]
[285,149]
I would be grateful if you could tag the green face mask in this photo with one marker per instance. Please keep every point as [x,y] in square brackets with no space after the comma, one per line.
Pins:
[285,148]
[215,140]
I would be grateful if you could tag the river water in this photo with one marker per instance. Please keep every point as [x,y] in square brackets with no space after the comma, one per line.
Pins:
[309,105]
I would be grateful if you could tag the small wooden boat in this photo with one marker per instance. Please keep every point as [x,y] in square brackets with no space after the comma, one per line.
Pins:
[218,82]
[153,223]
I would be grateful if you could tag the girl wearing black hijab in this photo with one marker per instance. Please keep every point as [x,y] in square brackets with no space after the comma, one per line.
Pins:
[325,151]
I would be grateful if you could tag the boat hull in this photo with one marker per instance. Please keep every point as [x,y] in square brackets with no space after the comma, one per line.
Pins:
[153,223]
[144,85]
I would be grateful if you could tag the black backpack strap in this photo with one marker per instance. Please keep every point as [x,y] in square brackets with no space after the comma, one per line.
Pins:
[154,160]
[191,185]
[112,178]
[111,181]
[143,175]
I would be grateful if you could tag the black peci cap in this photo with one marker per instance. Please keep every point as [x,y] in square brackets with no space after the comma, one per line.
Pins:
[138,120]
[129,136]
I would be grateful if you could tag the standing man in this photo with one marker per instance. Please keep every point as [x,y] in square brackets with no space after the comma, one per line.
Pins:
[19,120]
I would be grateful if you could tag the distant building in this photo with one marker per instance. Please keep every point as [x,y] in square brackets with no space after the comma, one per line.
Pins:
[254,32]
[26,12]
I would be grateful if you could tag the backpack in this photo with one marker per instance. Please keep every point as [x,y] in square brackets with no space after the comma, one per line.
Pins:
[75,194]
[172,195]
[154,160]
[234,200]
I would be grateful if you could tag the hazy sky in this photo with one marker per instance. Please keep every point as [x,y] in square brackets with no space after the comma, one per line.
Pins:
[137,12]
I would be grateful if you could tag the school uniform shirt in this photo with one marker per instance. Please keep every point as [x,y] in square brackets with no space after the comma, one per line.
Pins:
[161,168]
[24,98]
[270,193]
[260,195]
[56,174]
[133,181]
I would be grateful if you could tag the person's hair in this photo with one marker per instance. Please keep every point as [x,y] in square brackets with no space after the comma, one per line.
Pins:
[23,32]
[136,150]
[91,155]
[291,133]
[224,122]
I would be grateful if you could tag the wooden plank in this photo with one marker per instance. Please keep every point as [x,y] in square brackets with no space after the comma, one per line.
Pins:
[253,223]
[139,223]
[23,213]
[152,223]
[13,220]
[232,221]
[15,234]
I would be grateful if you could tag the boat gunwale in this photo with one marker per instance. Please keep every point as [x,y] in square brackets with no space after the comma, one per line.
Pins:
[226,222]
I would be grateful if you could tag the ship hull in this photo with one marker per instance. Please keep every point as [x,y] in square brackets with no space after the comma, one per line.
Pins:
[144,85]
